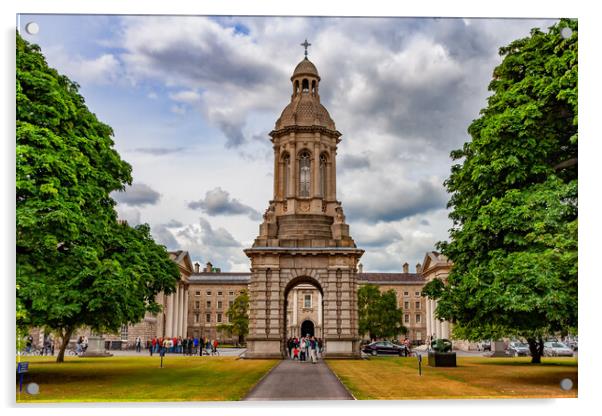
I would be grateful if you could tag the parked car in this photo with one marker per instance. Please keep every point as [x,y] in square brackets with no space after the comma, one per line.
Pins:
[385,347]
[556,349]
[518,349]
[571,343]
[484,346]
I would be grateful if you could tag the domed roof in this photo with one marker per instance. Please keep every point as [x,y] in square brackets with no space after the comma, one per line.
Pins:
[305,67]
[305,111]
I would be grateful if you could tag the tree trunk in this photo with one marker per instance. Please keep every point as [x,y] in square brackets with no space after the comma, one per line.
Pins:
[536,349]
[65,337]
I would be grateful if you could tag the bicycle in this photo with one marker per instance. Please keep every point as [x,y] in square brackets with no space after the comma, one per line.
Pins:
[33,352]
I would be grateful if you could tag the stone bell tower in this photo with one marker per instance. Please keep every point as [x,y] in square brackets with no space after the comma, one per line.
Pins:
[303,237]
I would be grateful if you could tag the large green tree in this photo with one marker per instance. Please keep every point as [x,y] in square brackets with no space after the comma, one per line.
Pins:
[76,264]
[238,317]
[379,316]
[514,199]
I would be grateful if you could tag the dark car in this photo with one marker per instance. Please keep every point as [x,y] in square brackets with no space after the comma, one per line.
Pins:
[384,348]
[518,349]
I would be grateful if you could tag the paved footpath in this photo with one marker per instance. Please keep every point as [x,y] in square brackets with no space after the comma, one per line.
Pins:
[294,380]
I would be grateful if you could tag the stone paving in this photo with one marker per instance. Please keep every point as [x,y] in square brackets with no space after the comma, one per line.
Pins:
[295,380]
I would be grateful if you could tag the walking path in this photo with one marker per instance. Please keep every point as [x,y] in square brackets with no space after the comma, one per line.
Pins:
[295,380]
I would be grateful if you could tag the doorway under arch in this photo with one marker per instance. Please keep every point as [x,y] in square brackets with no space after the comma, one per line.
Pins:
[307,328]
[303,310]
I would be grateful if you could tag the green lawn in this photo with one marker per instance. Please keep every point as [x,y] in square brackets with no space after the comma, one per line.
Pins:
[129,378]
[395,378]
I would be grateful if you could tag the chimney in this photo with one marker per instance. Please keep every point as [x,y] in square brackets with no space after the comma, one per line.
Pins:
[360,268]
[406,267]
[418,268]
[208,267]
[197,267]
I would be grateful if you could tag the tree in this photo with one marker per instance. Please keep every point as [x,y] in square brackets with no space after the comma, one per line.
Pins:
[513,202]
[379,316]
[76,264]
[238,317]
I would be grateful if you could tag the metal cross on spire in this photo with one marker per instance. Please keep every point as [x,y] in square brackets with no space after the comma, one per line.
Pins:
[306,44]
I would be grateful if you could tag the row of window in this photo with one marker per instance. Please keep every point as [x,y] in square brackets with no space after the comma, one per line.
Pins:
[219,293]
[218,318]
[305,162]
[220,304]
[406,305]
[417,293]
[406,318]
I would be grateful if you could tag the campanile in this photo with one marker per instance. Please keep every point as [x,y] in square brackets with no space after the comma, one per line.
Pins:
[304,237]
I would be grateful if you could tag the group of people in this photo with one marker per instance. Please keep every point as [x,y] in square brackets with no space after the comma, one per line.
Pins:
[181,345]
[304,349]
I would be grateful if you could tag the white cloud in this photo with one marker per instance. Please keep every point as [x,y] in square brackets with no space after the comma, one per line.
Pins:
[103,69]
[402,92]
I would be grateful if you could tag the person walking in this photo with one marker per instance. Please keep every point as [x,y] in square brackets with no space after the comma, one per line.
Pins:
[313,348]
[303,349]
[214,350]
[138,344]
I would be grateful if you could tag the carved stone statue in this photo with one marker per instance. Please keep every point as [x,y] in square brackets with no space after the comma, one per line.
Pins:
[270,213]
[339,216]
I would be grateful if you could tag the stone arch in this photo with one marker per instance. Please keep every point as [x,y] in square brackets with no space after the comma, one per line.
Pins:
[305,169]
[295,278]
[305,85]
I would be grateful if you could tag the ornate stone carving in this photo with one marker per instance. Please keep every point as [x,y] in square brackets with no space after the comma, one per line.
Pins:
[304,206]
[270,213]
[339,216]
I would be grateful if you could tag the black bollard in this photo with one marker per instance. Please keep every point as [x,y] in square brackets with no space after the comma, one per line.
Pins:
[419,364]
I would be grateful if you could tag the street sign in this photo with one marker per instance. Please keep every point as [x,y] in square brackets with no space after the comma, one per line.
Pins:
[22,368]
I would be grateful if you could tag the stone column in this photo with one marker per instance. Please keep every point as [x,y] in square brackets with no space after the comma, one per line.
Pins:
[438,324]
[428,318]
[431,318]
[316,170]
[292,186]
[176,312]
[319,308]
[295,306]
[276,172]
[333,174]
[182,309]
[169,317]
[445,329]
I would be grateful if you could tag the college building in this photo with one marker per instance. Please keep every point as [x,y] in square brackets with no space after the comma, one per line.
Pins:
[305,268]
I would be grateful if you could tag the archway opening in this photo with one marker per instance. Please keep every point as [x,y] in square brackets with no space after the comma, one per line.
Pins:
[307,328]
[303,311]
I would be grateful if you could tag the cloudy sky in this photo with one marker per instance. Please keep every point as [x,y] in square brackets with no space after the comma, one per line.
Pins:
[192,100]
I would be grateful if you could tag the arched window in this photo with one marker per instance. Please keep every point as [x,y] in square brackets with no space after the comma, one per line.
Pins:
[296,87]
[304,173]
[313,87]
[323,178]
[286,165]
[305,85]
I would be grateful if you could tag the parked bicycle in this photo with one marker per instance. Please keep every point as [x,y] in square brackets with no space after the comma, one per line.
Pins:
[30,352]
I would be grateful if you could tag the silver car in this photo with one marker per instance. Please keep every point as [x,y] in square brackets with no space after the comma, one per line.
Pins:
[518,349]
[556,349]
